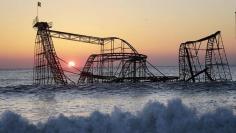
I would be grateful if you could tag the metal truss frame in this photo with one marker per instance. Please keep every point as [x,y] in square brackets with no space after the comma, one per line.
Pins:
[204,60]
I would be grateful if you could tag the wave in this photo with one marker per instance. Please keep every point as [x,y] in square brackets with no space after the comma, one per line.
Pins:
[174,117]
[216,86]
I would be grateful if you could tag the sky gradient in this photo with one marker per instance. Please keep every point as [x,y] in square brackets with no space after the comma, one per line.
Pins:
[154,27]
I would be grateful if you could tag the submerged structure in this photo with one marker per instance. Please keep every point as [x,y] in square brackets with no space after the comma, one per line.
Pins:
[118,61]
[204,60]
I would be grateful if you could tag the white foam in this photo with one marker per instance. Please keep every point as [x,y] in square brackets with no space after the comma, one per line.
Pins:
[156,117]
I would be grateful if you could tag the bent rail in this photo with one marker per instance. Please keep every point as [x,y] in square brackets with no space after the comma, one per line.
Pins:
[87,39]
[204,60]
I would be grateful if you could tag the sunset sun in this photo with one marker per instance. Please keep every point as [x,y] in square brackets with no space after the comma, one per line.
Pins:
[71,64]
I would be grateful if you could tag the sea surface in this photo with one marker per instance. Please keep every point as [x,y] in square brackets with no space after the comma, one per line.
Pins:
[116,107]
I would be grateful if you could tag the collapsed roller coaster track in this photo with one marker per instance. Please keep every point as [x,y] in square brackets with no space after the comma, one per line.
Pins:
[118,61]
[203,60]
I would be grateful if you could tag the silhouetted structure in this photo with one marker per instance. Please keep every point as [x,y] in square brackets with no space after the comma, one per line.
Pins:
[118,60]
[47,68]
[204,60]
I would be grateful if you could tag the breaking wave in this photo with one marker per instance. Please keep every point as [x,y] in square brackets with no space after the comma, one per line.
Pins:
[174,117]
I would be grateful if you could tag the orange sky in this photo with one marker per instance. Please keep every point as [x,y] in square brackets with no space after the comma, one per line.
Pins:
[153,27]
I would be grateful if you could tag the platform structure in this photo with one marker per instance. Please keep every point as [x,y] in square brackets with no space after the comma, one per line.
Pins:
[204,60]
[118,60]
[47,67]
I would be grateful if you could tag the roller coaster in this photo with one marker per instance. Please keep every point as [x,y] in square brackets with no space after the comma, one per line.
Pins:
[119,61]
[204,60]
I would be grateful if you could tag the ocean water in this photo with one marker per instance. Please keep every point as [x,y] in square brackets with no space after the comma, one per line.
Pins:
[116,108]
